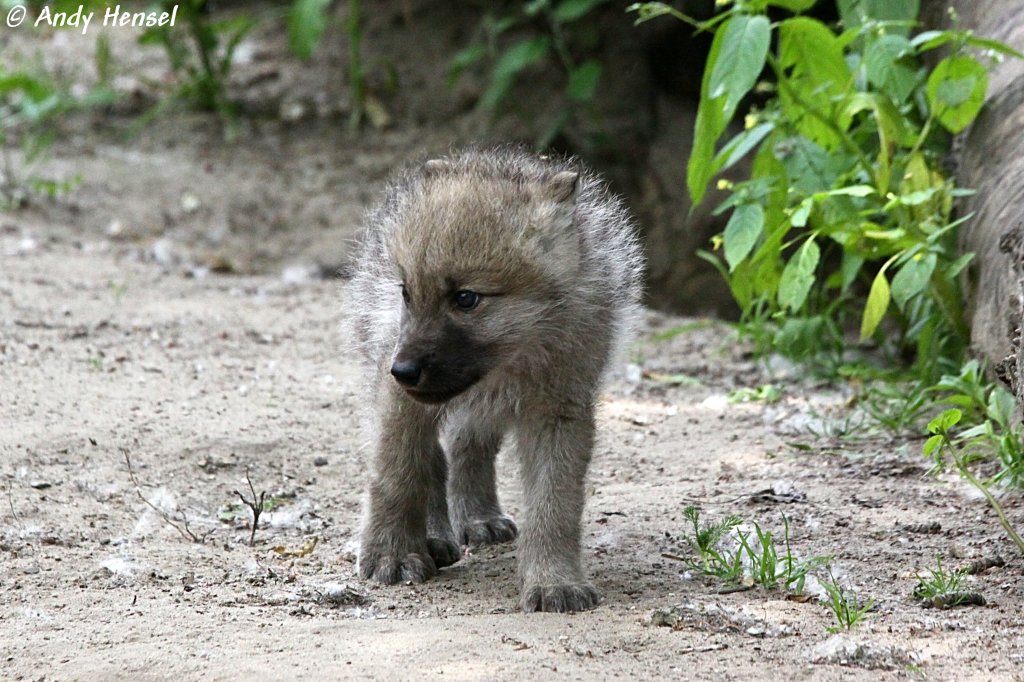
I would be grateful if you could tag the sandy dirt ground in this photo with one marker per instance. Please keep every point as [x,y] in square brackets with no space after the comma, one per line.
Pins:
[200,382]
[172,326]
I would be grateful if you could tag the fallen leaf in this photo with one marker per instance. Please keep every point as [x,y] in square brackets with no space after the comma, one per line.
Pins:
[305,549]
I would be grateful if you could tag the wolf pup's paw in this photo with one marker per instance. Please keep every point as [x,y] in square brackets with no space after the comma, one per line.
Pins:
[391,568]
[444,551]
[560,598]
[489,531]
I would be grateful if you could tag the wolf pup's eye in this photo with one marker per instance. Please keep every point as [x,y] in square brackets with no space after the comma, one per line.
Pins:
[467,300]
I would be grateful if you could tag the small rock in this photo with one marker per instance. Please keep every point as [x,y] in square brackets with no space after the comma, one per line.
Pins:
[280,598]
[335,594]
[843,650]
[189,202]
[377,114]
[300,274]
[292,111]
[26,244]
[319,461]
[115,229]
[634,373]
[715,402]
[162,251]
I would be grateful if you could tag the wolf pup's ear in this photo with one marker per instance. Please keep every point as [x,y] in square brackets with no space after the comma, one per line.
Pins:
[552,232]
[563,186]
[560,193]
[435,167]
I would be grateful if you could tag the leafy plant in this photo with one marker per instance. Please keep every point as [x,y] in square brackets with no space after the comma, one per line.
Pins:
[548,31]
[846,605]
[766,393]
[771,571]
[991,410]
[357,76]
[897,405]
[307,21]
[939,584]
[705,541]
[201,52]
[847,218]
[754,556]
[31,101]
[959,448]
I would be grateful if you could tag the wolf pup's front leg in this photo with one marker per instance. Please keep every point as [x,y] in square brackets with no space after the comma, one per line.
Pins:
[408,486]
[554,452]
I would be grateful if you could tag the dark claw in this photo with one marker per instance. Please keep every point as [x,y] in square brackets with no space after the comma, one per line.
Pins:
[490,531]
[560,598]
[443,551]
[389,570]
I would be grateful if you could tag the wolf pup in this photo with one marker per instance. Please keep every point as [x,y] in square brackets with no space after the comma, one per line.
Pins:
[492,288]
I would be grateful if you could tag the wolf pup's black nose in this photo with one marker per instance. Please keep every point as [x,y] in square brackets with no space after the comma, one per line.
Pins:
[407,372]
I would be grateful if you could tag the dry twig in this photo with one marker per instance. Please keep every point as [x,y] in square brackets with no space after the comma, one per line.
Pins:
[179,524]
[255,504]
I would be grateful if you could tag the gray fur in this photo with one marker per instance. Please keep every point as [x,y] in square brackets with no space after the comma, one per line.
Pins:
[556,260]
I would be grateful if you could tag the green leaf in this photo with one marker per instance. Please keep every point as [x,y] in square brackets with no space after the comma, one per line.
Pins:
[798,276]
[516,58]
[849,269]
[535,7]
[468,56]
[583,81]
[931,445]
[307,21]
[877,304]
[848,191]
[571,10]
[855,13]
[929,40]
[1001,407]
[700,167]
[809,167]
[913,198]
[463,59]
[734,62]
[945,421]
[912,279]
[818,77]
[710,124]
[741,233]
[994,45]
[652,10]
[793,5]
[959,264]
[956,91]
[892,126]
[889,68]
[745,41]
[801,213]
[801,337]
[737,147]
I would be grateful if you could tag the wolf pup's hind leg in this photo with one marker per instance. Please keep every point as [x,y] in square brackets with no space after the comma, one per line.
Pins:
[476,515]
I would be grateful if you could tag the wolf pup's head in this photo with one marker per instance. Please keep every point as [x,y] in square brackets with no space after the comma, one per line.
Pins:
[484,261]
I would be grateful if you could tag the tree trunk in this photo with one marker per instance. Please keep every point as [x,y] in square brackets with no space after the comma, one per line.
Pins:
[992,162]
